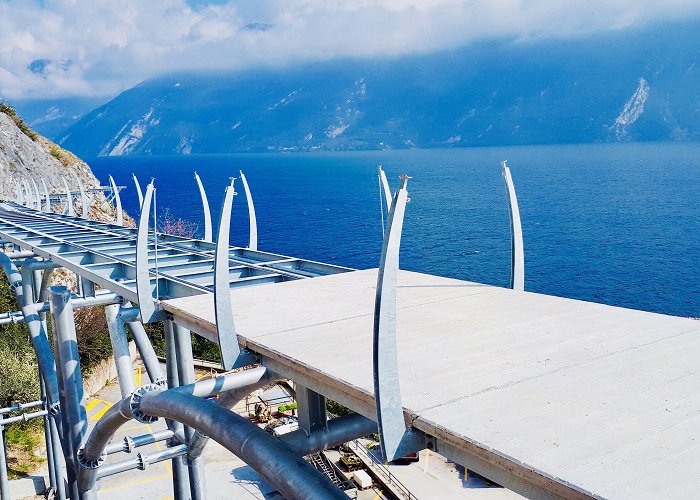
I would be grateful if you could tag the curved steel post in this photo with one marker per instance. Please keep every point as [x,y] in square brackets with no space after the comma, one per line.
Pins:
[69,198]
[30,196]
[144,291]
[83,200]
[396,440]
[37,195]
[517,256]
[205,208]
[138,190]
[252,220]
[228,340]
[118,202]
[385,188]
[46,195]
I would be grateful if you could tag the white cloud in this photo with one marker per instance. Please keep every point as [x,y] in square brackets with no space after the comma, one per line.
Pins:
[51,48]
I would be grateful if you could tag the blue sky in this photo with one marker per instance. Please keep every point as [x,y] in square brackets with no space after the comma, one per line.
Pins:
[60,48]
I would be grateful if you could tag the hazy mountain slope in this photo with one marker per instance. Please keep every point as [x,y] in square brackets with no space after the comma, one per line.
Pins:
[641,85]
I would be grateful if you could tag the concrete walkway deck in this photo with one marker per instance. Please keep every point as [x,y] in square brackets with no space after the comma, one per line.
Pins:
[569,397]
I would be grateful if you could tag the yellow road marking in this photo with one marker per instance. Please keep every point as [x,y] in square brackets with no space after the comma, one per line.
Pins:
[92,404]
[132,428]
[133,483]
[425,466]
[100,413]
[378,494]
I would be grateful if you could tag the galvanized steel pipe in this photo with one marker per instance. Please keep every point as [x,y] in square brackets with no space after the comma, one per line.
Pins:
[277,464]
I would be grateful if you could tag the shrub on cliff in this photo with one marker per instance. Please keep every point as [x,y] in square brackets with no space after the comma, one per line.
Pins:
[21,124]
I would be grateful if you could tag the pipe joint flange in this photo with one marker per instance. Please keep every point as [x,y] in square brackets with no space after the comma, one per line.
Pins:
[128,446]
[54,409]
[89,464]
[135,403]
[141,462]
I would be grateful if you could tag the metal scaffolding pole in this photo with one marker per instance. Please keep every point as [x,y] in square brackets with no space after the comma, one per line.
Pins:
[185,372]
[120,348]
[273,460]
[71,378]
[49,443]
[180,479]
[4,481]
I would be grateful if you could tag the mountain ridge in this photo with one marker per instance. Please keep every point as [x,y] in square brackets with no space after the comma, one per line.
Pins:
[638,86]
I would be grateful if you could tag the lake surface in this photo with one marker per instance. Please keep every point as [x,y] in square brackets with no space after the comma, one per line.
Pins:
[617,224]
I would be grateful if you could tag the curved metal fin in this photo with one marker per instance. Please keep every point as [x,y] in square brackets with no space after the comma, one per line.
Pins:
[37,196]
[138,190]
[118,202]
[517,255]
[19,198]
[83,200]
[385,188]
[46,195]
[205,208]
[252,220]
[69,198]
[144,290]
[29,198]
[396,440]
[228,340]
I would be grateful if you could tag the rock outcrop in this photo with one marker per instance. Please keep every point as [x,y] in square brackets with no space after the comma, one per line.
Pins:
[26,155]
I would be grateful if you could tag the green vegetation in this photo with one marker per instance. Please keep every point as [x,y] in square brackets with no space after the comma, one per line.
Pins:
[23,438]
[10,111]
[336,409]
[20,384]
[290,406]
[61,155]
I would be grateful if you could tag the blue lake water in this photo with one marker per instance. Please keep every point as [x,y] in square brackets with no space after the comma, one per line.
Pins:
[617,224]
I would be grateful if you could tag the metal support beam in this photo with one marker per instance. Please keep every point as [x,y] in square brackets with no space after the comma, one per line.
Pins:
[517,256]
[396,440]
[311,410]
[205,209]
[145,348]
[252,220]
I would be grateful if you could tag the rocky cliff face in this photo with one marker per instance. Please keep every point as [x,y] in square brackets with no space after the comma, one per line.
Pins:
[27,156]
